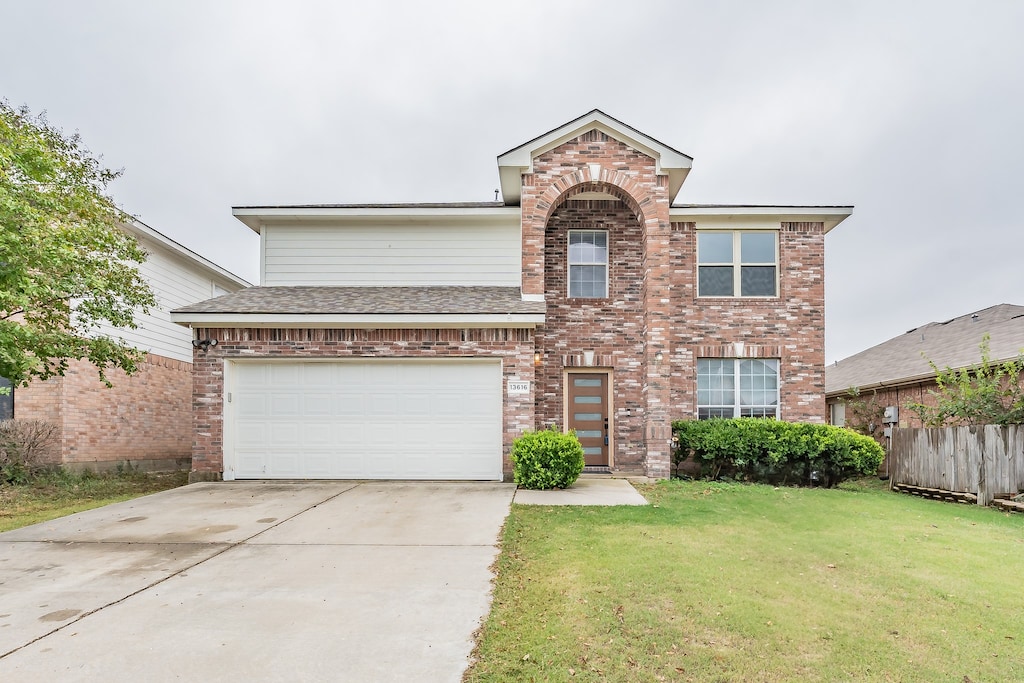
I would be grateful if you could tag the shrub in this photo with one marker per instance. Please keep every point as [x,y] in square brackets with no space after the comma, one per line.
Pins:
[772,451]
[23,446]
[546,459]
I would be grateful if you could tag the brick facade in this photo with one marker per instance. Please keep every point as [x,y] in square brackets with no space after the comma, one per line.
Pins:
[144,419]
[513,346]
[639,302]
[647,334]
[790,327]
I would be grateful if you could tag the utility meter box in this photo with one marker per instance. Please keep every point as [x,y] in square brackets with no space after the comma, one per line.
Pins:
[891,415]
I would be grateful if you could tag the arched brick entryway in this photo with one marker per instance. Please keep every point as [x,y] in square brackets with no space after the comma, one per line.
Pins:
[626,334]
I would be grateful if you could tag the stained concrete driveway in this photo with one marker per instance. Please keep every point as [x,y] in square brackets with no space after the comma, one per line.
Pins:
[254,581]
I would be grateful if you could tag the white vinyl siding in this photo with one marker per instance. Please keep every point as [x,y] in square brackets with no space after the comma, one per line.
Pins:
[392,255]
[364,419]
[175,283]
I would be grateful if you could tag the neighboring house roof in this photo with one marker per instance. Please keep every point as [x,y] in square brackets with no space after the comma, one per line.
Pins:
[140,229]
[953,343]
[363,306]
[518,160]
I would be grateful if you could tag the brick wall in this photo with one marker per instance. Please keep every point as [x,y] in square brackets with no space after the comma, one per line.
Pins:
[790,327]
[144,418]
[612,328]
[595,162]
[513,346]
[893,396]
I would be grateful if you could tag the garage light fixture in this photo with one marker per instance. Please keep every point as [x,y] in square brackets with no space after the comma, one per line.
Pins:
[204,344]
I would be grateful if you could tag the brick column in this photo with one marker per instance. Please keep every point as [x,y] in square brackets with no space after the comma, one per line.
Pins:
[658,330]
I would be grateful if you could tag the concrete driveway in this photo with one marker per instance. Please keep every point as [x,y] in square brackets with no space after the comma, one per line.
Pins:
[254,581]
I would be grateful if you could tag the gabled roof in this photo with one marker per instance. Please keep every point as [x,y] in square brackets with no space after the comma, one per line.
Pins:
[141,230]
[953,343]
[518,160]
[382,307]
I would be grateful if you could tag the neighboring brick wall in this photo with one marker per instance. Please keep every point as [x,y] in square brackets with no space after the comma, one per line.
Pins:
[893,396]
[42,400]
[790,327]
[144,418]
[513,346]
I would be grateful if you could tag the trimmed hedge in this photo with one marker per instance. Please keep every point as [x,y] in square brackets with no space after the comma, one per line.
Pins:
[546,460]
[772,451]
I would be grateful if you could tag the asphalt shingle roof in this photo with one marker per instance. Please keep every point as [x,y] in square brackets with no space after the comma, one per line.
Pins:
[369,300]
[953,343]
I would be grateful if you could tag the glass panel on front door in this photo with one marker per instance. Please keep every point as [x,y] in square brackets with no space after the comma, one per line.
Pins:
[589,392]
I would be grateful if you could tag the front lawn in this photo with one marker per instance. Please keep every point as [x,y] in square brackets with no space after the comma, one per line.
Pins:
[730,582]
[56,494]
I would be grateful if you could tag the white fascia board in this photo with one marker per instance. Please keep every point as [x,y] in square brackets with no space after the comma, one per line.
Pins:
[515,162]
[666,157]
[358,321]
[831,216]
[141,230]
[256,217]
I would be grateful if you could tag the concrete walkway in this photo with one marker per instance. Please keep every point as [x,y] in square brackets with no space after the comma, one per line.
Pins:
[599,490]
[254,581]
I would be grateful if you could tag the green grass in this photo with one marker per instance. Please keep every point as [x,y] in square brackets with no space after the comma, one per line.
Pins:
[730,582]
[60,493]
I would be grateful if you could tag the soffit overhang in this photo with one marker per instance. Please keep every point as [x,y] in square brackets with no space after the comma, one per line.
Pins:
[515,162]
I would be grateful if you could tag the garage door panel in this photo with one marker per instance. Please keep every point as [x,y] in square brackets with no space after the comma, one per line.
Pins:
[285,404]
[251,406]
[286,374]
[252,434]
[318,404]
[390,419]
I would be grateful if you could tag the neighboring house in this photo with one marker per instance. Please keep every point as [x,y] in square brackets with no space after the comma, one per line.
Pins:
[416,341]
[897,372]
[145,418]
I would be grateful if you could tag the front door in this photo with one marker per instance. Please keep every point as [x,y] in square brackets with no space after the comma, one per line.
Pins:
[587,398]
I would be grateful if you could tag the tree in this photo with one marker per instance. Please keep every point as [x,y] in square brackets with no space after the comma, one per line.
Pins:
[987,393]
[67,268]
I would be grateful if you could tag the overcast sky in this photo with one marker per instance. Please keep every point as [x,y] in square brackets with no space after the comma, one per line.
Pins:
[910,111]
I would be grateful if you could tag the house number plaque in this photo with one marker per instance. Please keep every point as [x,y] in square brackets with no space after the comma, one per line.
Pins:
[518,387]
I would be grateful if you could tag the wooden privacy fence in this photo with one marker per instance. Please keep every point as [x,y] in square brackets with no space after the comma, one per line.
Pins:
[985,461]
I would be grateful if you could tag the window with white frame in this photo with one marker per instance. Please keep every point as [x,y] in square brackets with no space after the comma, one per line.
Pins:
[737,263]
[837,414]
[588,263]
[737,387]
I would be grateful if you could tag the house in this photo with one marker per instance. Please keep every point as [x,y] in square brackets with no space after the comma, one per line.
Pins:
[416,341]
[145,418]
[897,372]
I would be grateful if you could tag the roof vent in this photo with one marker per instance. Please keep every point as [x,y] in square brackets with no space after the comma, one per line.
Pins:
[974,317]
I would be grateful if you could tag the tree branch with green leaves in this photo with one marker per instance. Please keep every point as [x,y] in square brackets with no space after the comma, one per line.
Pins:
[68,269]
[989,392]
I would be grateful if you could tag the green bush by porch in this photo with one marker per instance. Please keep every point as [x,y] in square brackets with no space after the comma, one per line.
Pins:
[772,451]
[547,459]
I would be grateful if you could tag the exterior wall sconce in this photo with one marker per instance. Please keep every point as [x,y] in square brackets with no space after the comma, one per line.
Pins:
[537,358]
[204,344]
[658,357]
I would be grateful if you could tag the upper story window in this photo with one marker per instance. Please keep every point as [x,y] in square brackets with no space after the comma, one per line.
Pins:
[737,263]
[588,264]
[737,387]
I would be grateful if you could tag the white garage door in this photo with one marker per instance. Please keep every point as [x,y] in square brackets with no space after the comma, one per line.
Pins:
[404,419]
